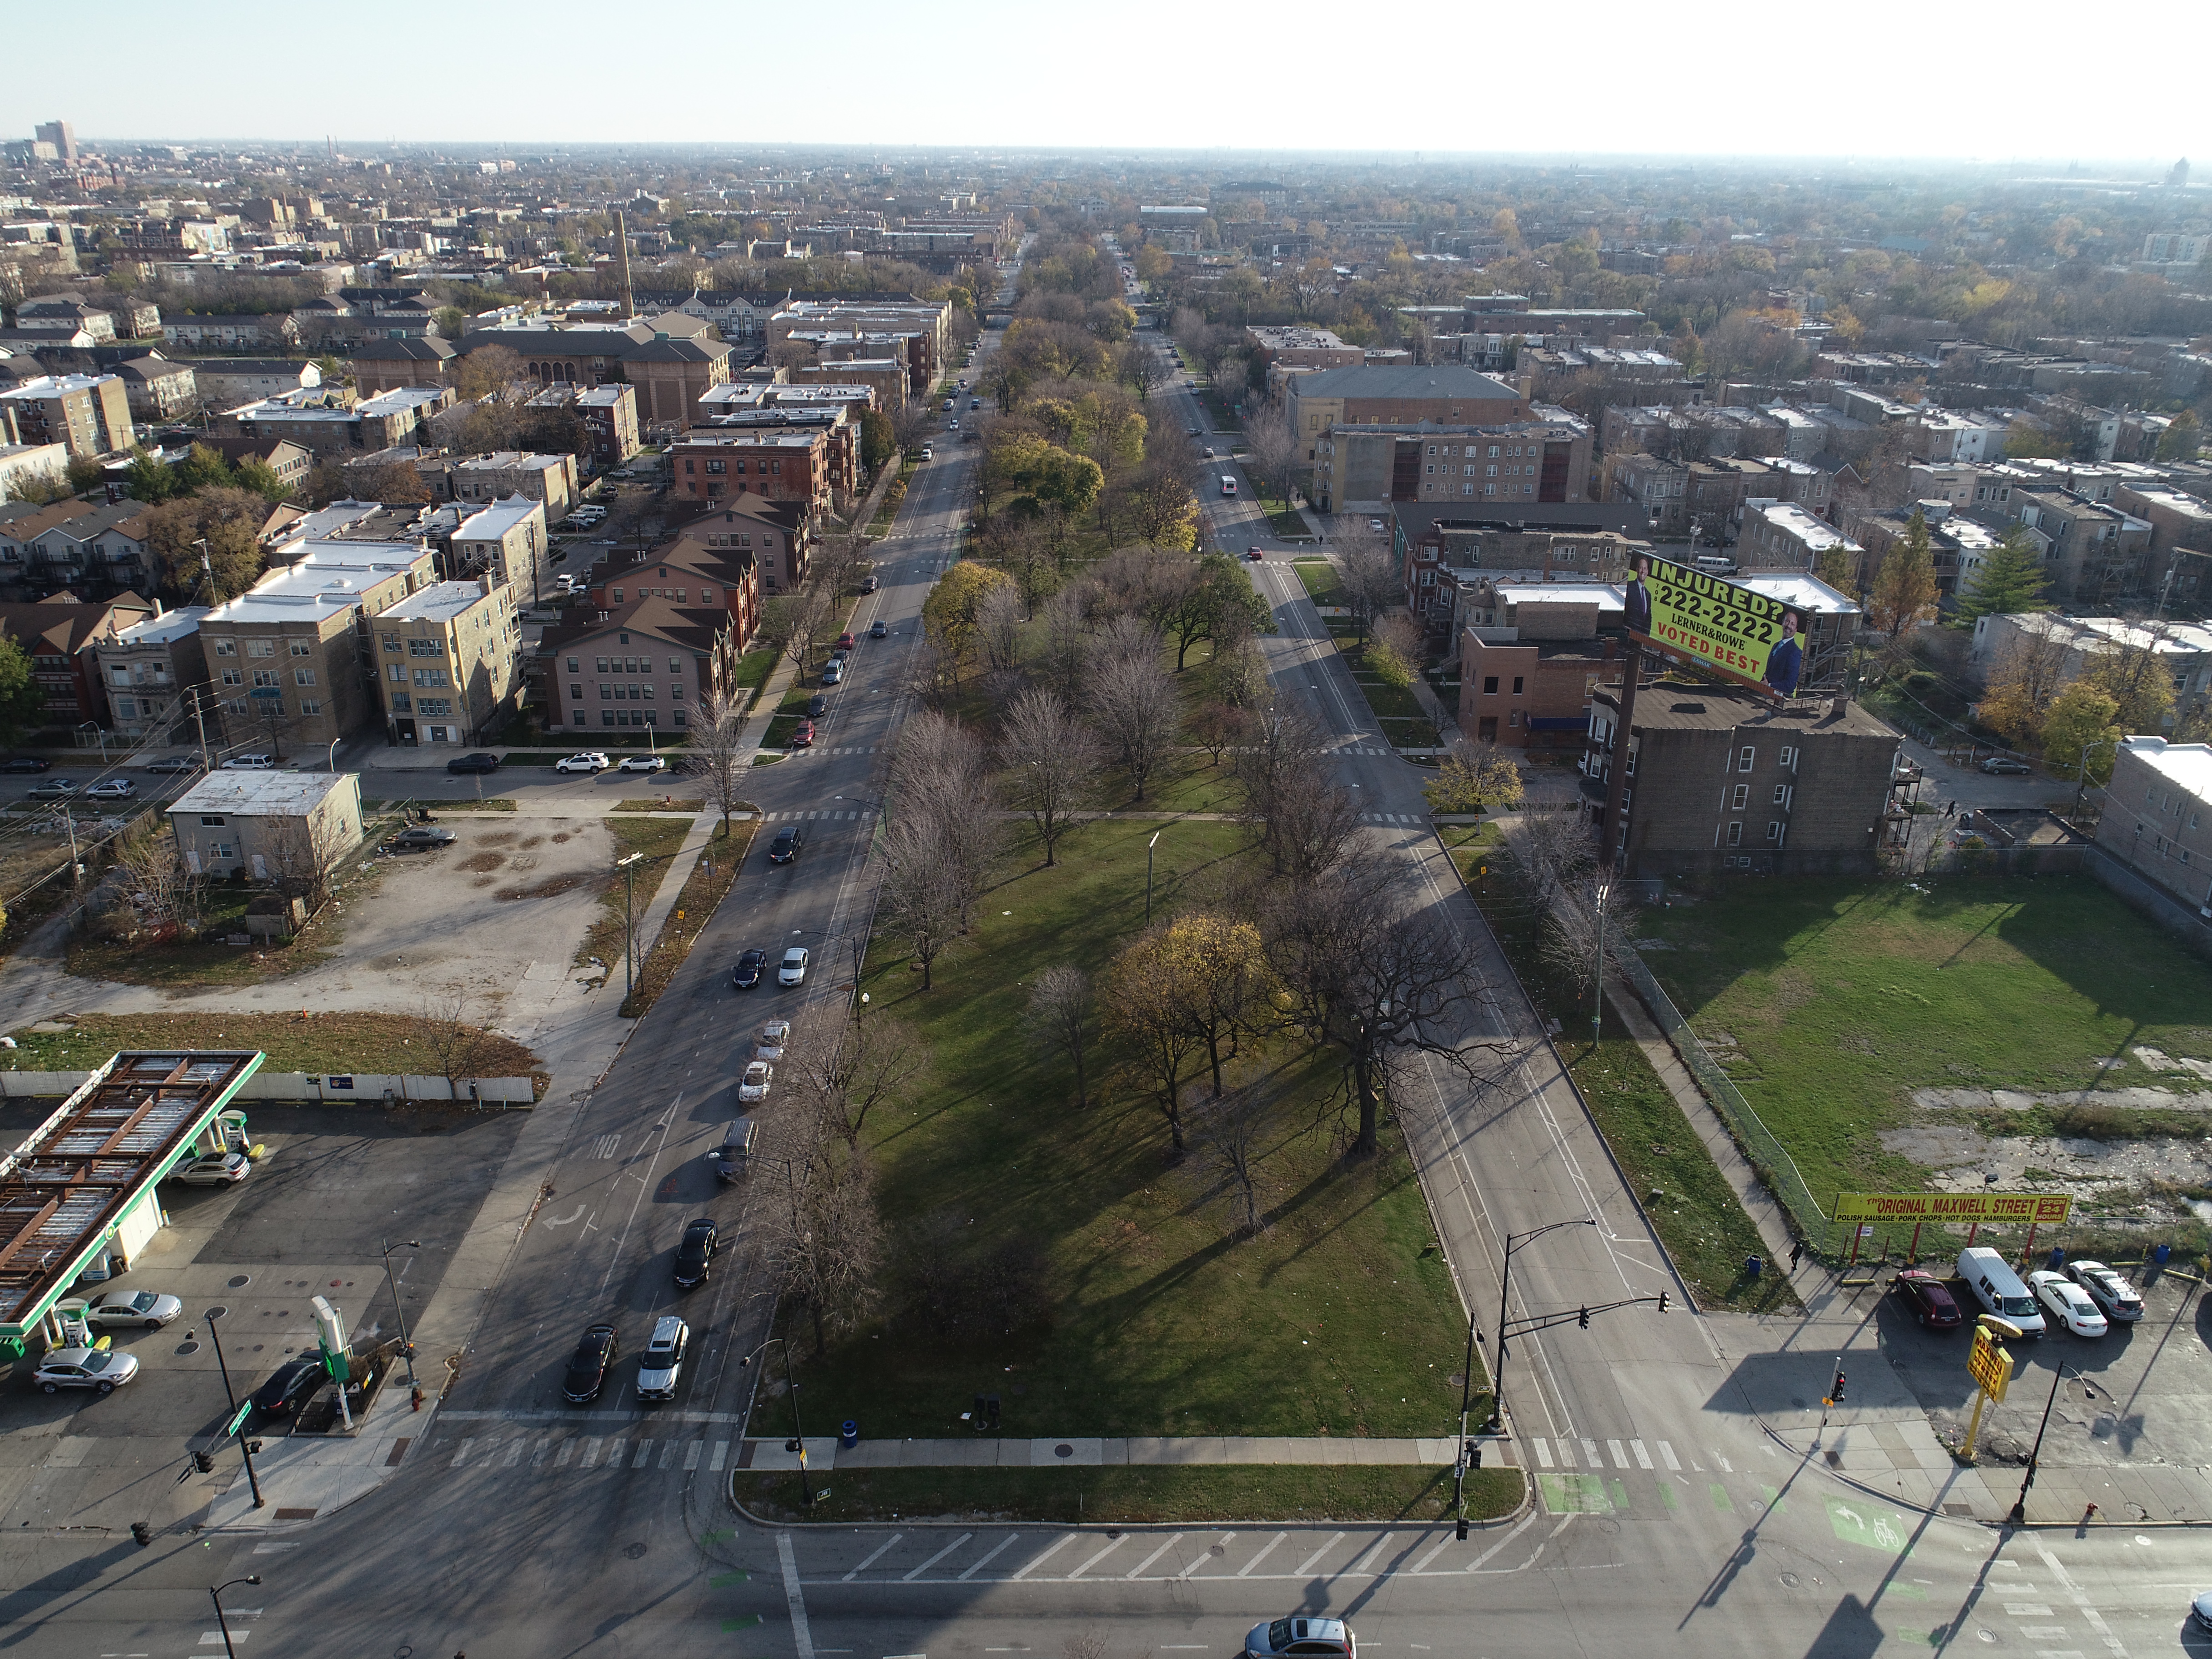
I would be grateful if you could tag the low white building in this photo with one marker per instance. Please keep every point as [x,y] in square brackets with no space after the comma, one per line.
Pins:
[292,827]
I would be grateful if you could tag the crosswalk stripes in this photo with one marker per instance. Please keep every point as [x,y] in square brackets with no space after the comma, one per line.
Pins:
[549,1455]
[806,816]
[1392,817]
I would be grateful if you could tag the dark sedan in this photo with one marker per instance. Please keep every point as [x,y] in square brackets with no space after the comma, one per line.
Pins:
[694,1254]
[1929,1299]
[480,762]
[294,1383]
[25,763]
[587,1370]
[751,964]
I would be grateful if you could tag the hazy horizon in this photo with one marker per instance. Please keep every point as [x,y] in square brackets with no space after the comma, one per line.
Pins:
[1726,83]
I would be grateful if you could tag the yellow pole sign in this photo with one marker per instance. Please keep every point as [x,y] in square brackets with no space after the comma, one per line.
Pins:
[2024,1209]
[1990,1365]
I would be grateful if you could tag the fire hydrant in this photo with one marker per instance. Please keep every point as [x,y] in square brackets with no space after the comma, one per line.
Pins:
[418,1396]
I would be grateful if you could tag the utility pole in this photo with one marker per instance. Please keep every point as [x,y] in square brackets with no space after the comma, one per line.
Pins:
[1614,830]
[629,867]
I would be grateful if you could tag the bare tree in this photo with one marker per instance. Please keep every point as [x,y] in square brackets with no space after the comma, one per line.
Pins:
[875,1061]
[792,622]
[1582,911]
[718,746]
[1060,1018]
[922,895]
[999,630]
[912,423]
[1066,641]
[303,854]
[834,561]
[1217,727]
[449,1026]
[1229,385]
[824,1242]
[1051,760]
[1276,449]
[1133,703]
[1231,1133]
[159,884]
[1366,573]
[940,776]
[1378,981]
[1304,823]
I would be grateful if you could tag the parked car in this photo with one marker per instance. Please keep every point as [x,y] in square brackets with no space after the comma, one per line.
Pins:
[148,1309]
[789,843]
[112,789]
[481,761]
[817,705]
[1322,1638]
[695,1255]
[170,764]
[770,1044]
[793,970]
[642,763]
[1254,553]
[589,761]
[25,763]
[1931,1300]
[2005,766]
[101,1370]
[52,789]
[2067,1303]
[660,1367]
[596,1353]
[2200,1612]
[802,735]
[288,1387]
[216,1169]
[845,641]
[753,1085]
[249,763]
[2107,1290]
[869,584]
[750,965]
[834,673]
[421,838]
[878,629]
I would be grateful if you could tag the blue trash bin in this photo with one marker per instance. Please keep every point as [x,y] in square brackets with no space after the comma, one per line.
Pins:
[2161,1254]
[849,1435]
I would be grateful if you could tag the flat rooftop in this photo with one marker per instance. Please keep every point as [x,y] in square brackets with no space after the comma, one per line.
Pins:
[66,1187]
[2187,766]
[439,602]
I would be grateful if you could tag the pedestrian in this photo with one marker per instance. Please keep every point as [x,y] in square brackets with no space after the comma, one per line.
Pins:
[1797,1253]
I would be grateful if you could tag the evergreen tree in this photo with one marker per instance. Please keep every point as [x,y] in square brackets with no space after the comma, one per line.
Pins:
[2010,580]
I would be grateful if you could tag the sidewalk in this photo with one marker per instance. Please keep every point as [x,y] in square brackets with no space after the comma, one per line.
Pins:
[823,1454]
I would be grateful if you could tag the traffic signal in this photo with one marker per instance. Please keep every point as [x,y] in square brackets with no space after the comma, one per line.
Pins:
[1585,1320]
[1837,1393]
[202,1463]
[1462,1529]
[1662,1302]
[141,1532]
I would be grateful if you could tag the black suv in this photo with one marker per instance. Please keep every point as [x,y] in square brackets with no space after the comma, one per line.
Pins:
[751,964]
[480,762]
[696,1252]
[787,844]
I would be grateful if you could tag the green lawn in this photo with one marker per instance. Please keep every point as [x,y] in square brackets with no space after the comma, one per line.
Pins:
[1698,1217]
[1841,997]
[1339,1318]
[1320,578]
[1135,1494]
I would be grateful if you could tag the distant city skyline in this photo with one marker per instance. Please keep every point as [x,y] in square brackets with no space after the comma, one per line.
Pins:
[1729,81]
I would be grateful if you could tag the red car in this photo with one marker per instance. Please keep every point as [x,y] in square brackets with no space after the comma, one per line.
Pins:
[1254,553]
[845,641]
[802,736]
[1929,1299]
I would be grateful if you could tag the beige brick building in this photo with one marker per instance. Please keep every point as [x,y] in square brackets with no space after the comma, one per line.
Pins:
[447,662]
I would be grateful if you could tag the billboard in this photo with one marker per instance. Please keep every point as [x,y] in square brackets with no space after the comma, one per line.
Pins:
[2020,1209]
[1717,626]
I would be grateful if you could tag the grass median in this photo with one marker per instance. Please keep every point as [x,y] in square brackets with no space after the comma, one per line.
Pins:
[658,840]
[1158,1315]
[1135,1495]
[1695,1212]
[694,907]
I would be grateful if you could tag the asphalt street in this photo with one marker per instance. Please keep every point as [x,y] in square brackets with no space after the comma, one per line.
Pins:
[1666,1521]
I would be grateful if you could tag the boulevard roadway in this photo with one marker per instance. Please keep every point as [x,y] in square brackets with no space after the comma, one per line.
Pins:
[1668,1523]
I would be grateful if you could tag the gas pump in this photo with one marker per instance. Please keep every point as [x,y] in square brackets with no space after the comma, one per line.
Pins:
[230,1131]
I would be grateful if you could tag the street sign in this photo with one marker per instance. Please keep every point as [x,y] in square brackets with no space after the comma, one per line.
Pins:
[2024,1209]
[1989,1365]
[244,1412]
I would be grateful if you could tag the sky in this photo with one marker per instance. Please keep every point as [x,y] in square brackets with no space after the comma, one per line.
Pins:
[1873,79]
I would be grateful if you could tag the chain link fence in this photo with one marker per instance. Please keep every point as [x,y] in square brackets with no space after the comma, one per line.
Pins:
[1769,1159]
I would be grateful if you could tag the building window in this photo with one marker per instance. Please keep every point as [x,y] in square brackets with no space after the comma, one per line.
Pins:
[1735,835]
[264,676]
[1741,798]
[1789,759]
[234,676]
[679,717]
[303,677]
[261,647]
[1744,760]
[573,668]
[420,647]
[1774,829]
[1517,685]
[607,693]
[212,820]
[434,705]
[309,705]
[618,599]
[575,694]
[302,648]
[1490,685]
[226,647]
[606,717]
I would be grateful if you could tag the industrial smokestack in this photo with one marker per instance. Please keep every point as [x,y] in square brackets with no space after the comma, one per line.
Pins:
[621,264]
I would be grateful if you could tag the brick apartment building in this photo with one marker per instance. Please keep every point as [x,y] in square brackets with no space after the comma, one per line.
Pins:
[691,573]
[549,480]
[61,636]
[88,415]
[447,662]
[610,415]
[1446,394]
[641,664]
[1721,780]
[2158,816]
[717,463]
[1360,467]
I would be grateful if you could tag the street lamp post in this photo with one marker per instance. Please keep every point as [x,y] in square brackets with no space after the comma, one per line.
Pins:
[1149,845]
[238,1423]
[1597,975]
[798,1431]
[406,1343]
[1504,1290]
[2082,771]
[215,1596]
[629,867]
[212,1315]
[2019,1516]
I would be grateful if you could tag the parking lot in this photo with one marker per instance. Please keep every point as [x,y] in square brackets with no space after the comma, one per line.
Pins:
[2140,1394]
[337,1183]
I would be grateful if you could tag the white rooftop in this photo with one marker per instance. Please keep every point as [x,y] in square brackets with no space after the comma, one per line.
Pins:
[439,602]
[1605,595]
[504,459]
[491,523]
[324,581]
[1805,593]
[287,794]
[2187,766]
[1817,535]
[164,629]
[2172,639]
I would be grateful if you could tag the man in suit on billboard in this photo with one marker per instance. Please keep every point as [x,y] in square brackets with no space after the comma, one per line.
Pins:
[1785,663]
[1637,602]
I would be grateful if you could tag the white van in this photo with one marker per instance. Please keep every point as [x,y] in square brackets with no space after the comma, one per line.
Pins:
[1228,485]
[1713,565]
[1998,1289]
